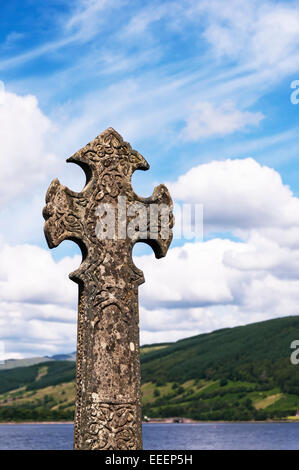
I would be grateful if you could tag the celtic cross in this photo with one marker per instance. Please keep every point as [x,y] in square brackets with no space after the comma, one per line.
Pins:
[108,389]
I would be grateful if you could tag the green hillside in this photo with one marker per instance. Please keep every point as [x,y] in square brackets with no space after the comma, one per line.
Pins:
[240,373]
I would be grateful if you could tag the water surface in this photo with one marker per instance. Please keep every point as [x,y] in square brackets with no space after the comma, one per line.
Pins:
[206,436]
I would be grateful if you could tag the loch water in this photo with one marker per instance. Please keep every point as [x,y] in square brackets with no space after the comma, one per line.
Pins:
[177,436]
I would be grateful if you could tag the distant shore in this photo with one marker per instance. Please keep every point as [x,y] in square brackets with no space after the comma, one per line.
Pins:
[36,422]
[190,421]
[224,422]
[161,421]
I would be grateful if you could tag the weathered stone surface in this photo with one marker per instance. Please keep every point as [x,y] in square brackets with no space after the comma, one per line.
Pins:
[108,397]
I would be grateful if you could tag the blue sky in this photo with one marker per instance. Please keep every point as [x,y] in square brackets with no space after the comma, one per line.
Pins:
[202,90]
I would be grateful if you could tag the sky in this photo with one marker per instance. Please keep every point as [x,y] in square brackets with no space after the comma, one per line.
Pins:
[207,92]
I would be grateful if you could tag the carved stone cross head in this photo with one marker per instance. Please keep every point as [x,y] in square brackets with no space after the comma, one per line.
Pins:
[106,219]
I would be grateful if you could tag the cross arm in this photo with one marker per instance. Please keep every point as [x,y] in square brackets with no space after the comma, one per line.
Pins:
[159,220]
[61,215]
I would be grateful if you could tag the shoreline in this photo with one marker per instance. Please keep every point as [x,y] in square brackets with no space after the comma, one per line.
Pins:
[225,422]
[35,422]
[159,422]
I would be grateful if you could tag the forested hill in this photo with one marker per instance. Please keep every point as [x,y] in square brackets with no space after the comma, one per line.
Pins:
[234,353]
[231,374]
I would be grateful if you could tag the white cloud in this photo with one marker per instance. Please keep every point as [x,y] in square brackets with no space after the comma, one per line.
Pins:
[188,272]
[146,17]
[207,119]
[38,303]
[257,33]
[88,16]
[238,196]
[220,284]
[32,337]
[28,274]
[266,255]
[24,157]
[253,33]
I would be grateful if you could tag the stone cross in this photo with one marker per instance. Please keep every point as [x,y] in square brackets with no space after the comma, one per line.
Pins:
[108,389]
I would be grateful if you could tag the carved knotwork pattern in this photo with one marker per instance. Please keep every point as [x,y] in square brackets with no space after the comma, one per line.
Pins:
[111,427]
